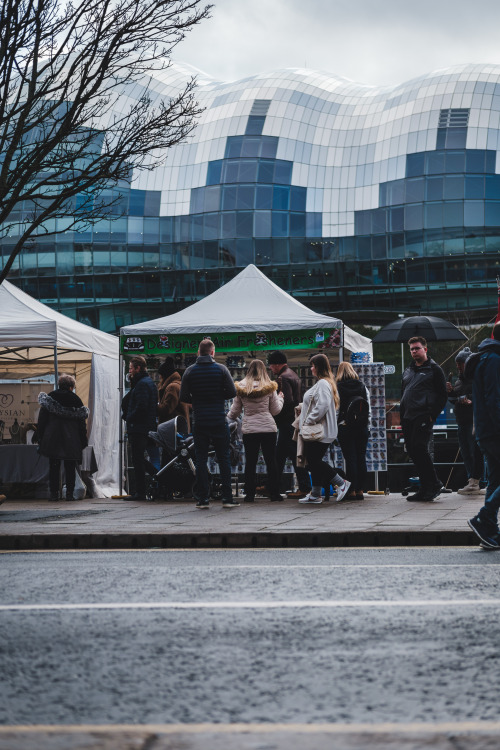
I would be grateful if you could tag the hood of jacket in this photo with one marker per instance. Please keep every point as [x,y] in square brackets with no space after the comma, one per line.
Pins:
[55,407]
[489,345]
[173,378]
[350,387]
[257,392]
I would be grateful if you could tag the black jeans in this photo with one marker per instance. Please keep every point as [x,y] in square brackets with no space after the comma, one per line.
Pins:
[55,474]
[138,444]
[353,442]
[220,439]
[417,434]
[252,442]
[321,472]
[286,447]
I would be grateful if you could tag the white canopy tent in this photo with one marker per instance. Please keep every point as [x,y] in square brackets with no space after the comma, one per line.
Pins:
[36,340]
[248,303]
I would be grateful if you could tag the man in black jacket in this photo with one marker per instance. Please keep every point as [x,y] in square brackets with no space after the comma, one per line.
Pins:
[207,385]
[422,400]
[141,411]
[291,387]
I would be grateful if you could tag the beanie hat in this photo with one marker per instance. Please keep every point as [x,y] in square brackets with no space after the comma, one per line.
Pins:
[276,358]
[463,355]
[167,367]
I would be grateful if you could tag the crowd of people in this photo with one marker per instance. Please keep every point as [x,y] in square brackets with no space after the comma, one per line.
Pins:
[282,422]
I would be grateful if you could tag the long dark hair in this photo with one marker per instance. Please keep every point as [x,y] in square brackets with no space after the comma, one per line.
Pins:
[324,372]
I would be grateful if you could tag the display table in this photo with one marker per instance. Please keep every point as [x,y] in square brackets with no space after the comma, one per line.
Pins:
[25,471]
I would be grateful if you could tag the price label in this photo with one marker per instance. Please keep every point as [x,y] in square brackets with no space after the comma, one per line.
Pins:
[389,369]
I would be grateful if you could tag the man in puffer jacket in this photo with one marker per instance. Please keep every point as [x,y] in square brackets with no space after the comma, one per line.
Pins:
[486,404]
[142,408]
[422,401]
[62,433]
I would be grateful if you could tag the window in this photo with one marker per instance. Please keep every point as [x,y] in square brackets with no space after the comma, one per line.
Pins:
[255,125]
[264,196]
[214,172]
[281,198]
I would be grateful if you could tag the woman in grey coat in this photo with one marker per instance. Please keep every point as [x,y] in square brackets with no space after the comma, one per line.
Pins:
[62,433]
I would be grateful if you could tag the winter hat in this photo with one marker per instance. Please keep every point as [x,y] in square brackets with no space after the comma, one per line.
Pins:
[276,358]
[167,367]
[463,355]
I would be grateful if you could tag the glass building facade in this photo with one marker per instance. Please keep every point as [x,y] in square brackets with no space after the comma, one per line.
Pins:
[357,200]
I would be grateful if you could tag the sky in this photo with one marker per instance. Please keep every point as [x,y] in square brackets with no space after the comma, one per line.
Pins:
[377,42]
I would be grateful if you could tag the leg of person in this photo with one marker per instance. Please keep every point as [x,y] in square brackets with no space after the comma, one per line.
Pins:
[488,514]
[268,444]
[347,440]
[361,441]
[286,447]
[479,467]
[202,486]
[153,451]
[417,433]
[54,477]
[251,443]
[138,446]
[70,471]
[467,445]
[322,474]
[221,440]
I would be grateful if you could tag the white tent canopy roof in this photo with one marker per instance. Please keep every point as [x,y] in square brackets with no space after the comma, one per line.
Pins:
[249,302]
[27,323]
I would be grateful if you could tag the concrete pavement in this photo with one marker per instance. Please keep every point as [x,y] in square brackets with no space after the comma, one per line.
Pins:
[378,520]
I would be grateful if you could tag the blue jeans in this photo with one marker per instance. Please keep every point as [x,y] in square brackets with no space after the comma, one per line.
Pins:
[469,449]
[490,449]
[219,437]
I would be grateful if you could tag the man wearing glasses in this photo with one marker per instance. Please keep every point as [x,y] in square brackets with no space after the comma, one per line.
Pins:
[422,400]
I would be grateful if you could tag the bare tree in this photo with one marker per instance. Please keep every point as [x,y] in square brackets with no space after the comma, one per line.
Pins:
[65,139]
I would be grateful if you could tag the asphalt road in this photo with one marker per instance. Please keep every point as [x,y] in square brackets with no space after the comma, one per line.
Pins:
[354,637]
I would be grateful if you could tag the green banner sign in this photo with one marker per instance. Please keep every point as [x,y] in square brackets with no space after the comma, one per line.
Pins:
[316,338]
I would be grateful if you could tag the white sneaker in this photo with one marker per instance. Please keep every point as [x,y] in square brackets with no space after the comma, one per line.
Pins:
[342,490]
[310,500]
[471,488]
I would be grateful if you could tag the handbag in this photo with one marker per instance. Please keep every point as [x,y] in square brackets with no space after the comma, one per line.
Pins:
[312,431]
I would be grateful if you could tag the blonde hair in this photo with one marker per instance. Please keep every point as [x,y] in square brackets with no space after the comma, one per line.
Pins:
[324,372]
[346,372]
[256,372]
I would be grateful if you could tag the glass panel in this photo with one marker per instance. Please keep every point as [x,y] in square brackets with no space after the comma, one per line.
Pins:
[455,271]
[230,171]
[166,234]
[453,214]
[456,137]
[263,252]
[313,224]
[229,194]
[233,147]
[492,213]
[455,161]
[474,160]
[280,251]
[454,187]
[297,253]
[473,213]
[434,162]
[298,198]
[135,230]
[246,194]
[265,171]
[435,271]
[264,196]
[491,159]
[281,198]
[248,170]
[297,225]
[434,244]
[379,249]
[197,227]
[152,203]
[214,172]
[255,125]
[212,199]
[492,186]
[396,247]
[228,228]
[415,272]
[244,252]
[397,219]
[414,244]
[433,215]
[152,231]
[244,224]
[415,164]
[282,172]
[395,192]
[262,222]
[434,190]
[474,244]
[279,224]
[210,226]
[415,190]
[269,147]
[251,147]
[363,248]
[382,194]
[474,186]
[414,216]
[378,220]
[453,245]
[362,222]
[136,202]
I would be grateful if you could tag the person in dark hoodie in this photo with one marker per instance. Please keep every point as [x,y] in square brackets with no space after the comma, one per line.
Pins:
[423,398]
[62,433]
[353,438]
[486,405]
[140,414]
[169,389]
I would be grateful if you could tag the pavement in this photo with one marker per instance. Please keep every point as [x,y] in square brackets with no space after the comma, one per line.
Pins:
[378,520]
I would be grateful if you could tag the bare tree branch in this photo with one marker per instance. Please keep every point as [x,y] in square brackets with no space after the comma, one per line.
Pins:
[62,133]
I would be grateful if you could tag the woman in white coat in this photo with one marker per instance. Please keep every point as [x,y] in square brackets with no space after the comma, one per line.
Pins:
[256,396]
[320,405]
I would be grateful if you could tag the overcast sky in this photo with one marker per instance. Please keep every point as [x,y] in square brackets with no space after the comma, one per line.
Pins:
[379,42]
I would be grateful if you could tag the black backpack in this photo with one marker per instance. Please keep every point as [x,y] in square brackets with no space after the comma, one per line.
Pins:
[357,413]
[470,365]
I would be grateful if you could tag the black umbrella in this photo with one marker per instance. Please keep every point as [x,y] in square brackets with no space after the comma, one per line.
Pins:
[431,328]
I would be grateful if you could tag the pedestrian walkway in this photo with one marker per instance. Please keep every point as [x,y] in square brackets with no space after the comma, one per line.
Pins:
[378,520]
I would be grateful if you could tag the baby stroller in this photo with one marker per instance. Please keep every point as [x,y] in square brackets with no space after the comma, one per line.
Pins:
[177,476]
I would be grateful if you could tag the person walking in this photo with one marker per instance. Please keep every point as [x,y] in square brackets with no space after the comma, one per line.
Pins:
[460,395]
[256,396]
[169,389]
[140,414]
[207,385]
[353,420]
[319,408]
[423,398]
[62,433]
[486,405]
[290,385]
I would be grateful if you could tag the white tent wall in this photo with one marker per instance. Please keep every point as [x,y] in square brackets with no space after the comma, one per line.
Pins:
[104,406]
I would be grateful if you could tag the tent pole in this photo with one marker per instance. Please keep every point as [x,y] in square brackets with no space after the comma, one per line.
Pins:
[341,347]
[120,437]
[56,368]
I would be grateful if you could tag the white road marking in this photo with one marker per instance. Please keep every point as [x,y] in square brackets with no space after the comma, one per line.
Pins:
[301,603]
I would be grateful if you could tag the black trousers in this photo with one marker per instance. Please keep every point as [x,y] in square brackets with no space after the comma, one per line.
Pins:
[138,444]
[252,442]
[353,442]
[321,472]
[417,434]
[55,475]
[286,447]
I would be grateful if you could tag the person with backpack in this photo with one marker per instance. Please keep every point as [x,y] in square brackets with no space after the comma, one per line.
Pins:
[353,421]
[423,398]
[484,368]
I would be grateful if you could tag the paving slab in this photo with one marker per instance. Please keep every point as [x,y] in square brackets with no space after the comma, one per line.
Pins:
[378,520]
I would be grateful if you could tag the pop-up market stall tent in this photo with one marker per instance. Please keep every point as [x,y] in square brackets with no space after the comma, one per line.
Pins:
[249,313]
[36,340]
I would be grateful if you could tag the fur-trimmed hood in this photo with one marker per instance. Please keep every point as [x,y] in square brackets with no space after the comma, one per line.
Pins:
[266,390]
[67,412]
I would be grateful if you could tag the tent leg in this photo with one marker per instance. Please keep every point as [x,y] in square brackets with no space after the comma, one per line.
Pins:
[120,438]
[56,368]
